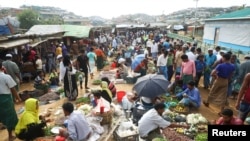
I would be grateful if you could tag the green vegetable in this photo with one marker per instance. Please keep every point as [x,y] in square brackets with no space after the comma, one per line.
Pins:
[201,137]
[61,90]
[82,100]
[47,131]
[97,82]
[159,139]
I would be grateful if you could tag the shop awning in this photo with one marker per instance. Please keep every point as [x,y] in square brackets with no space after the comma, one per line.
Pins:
[76,31]
[37,43]
[14,43]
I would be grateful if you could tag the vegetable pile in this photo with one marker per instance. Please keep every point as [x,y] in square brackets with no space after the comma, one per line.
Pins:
[97,82]
[194,119]
[82,100]
[201,137]
[181,109]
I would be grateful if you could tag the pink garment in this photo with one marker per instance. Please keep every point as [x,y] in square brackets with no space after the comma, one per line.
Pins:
[188,68]
[233,121]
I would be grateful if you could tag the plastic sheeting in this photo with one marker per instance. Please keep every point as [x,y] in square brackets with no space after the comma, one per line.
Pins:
[4,30]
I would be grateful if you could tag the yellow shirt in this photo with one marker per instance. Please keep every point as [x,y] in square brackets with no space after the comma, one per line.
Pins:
[58,51]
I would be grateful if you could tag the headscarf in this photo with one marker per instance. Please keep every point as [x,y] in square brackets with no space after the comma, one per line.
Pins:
[104,86]
[30,115]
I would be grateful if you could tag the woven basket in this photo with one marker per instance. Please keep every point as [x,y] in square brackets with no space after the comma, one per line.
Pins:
[106,118]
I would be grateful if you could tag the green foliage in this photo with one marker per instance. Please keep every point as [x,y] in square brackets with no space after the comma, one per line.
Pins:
[52,20]
[28,18]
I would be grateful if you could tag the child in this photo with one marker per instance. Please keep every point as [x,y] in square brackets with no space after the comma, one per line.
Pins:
[80,78]
[53,78]
[40,83]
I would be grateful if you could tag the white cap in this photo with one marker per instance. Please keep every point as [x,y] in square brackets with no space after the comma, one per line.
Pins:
[121,60]
[59,56]
[210,49]
[8,55]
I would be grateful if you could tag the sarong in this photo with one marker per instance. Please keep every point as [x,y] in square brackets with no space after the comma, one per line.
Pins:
[218,92]
[99,62]
[8,114]
[70,86]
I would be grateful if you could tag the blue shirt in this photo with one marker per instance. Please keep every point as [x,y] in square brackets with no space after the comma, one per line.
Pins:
[193,95]
[166,45]
[78,127]
[199,65]
[225,70]
[210,59]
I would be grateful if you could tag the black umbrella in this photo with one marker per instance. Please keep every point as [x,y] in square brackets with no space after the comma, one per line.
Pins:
[151,85]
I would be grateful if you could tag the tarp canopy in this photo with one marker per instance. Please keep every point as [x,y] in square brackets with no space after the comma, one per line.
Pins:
[44,30]
[68,30]
[14,43]
[178,27]
[76,31]
[4,30]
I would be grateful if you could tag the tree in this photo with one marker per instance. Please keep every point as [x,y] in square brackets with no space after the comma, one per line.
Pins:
[28,18]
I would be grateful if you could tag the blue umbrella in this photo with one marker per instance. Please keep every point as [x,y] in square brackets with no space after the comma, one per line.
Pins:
[137,61]
[151,85]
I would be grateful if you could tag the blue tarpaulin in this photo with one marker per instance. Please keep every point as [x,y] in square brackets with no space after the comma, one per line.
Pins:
[4,30]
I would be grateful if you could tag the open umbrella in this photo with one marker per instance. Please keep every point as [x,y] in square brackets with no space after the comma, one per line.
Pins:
[151,85]
[137,60]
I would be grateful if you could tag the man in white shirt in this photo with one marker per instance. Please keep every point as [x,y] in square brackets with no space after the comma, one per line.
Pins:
[162,64]
[39,64]
[150,123]
[154,50]
[191,54]
[78,128]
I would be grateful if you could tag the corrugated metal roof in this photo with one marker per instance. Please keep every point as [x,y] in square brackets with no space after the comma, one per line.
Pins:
[76,31]
[14,43]
[239,14]
[44,30]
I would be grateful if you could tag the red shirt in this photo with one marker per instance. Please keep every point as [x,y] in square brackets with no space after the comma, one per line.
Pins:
[234,121]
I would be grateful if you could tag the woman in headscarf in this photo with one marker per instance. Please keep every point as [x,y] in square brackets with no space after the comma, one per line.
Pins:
[106,93]
[70,85]
[30,125]
[111,86]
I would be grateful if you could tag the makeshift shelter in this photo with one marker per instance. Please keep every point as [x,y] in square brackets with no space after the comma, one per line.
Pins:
[14,43]
[230,30]
[76,31]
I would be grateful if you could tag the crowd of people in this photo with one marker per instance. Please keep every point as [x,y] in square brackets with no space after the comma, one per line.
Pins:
[221,72]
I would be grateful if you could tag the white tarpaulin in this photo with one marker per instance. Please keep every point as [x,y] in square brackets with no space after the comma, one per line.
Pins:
[178,27]
[234,32]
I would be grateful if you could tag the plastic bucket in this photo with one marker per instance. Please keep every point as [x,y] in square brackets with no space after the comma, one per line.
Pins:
[120,95]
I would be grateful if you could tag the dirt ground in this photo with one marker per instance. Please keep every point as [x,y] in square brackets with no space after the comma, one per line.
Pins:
[210,113]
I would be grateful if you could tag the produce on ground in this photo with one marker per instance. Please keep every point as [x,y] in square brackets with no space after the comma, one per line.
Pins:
[181,109]
[201,137]
[47,131]
[159,139]
[97,82]
[196,119]
[61,90]
[83,100]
